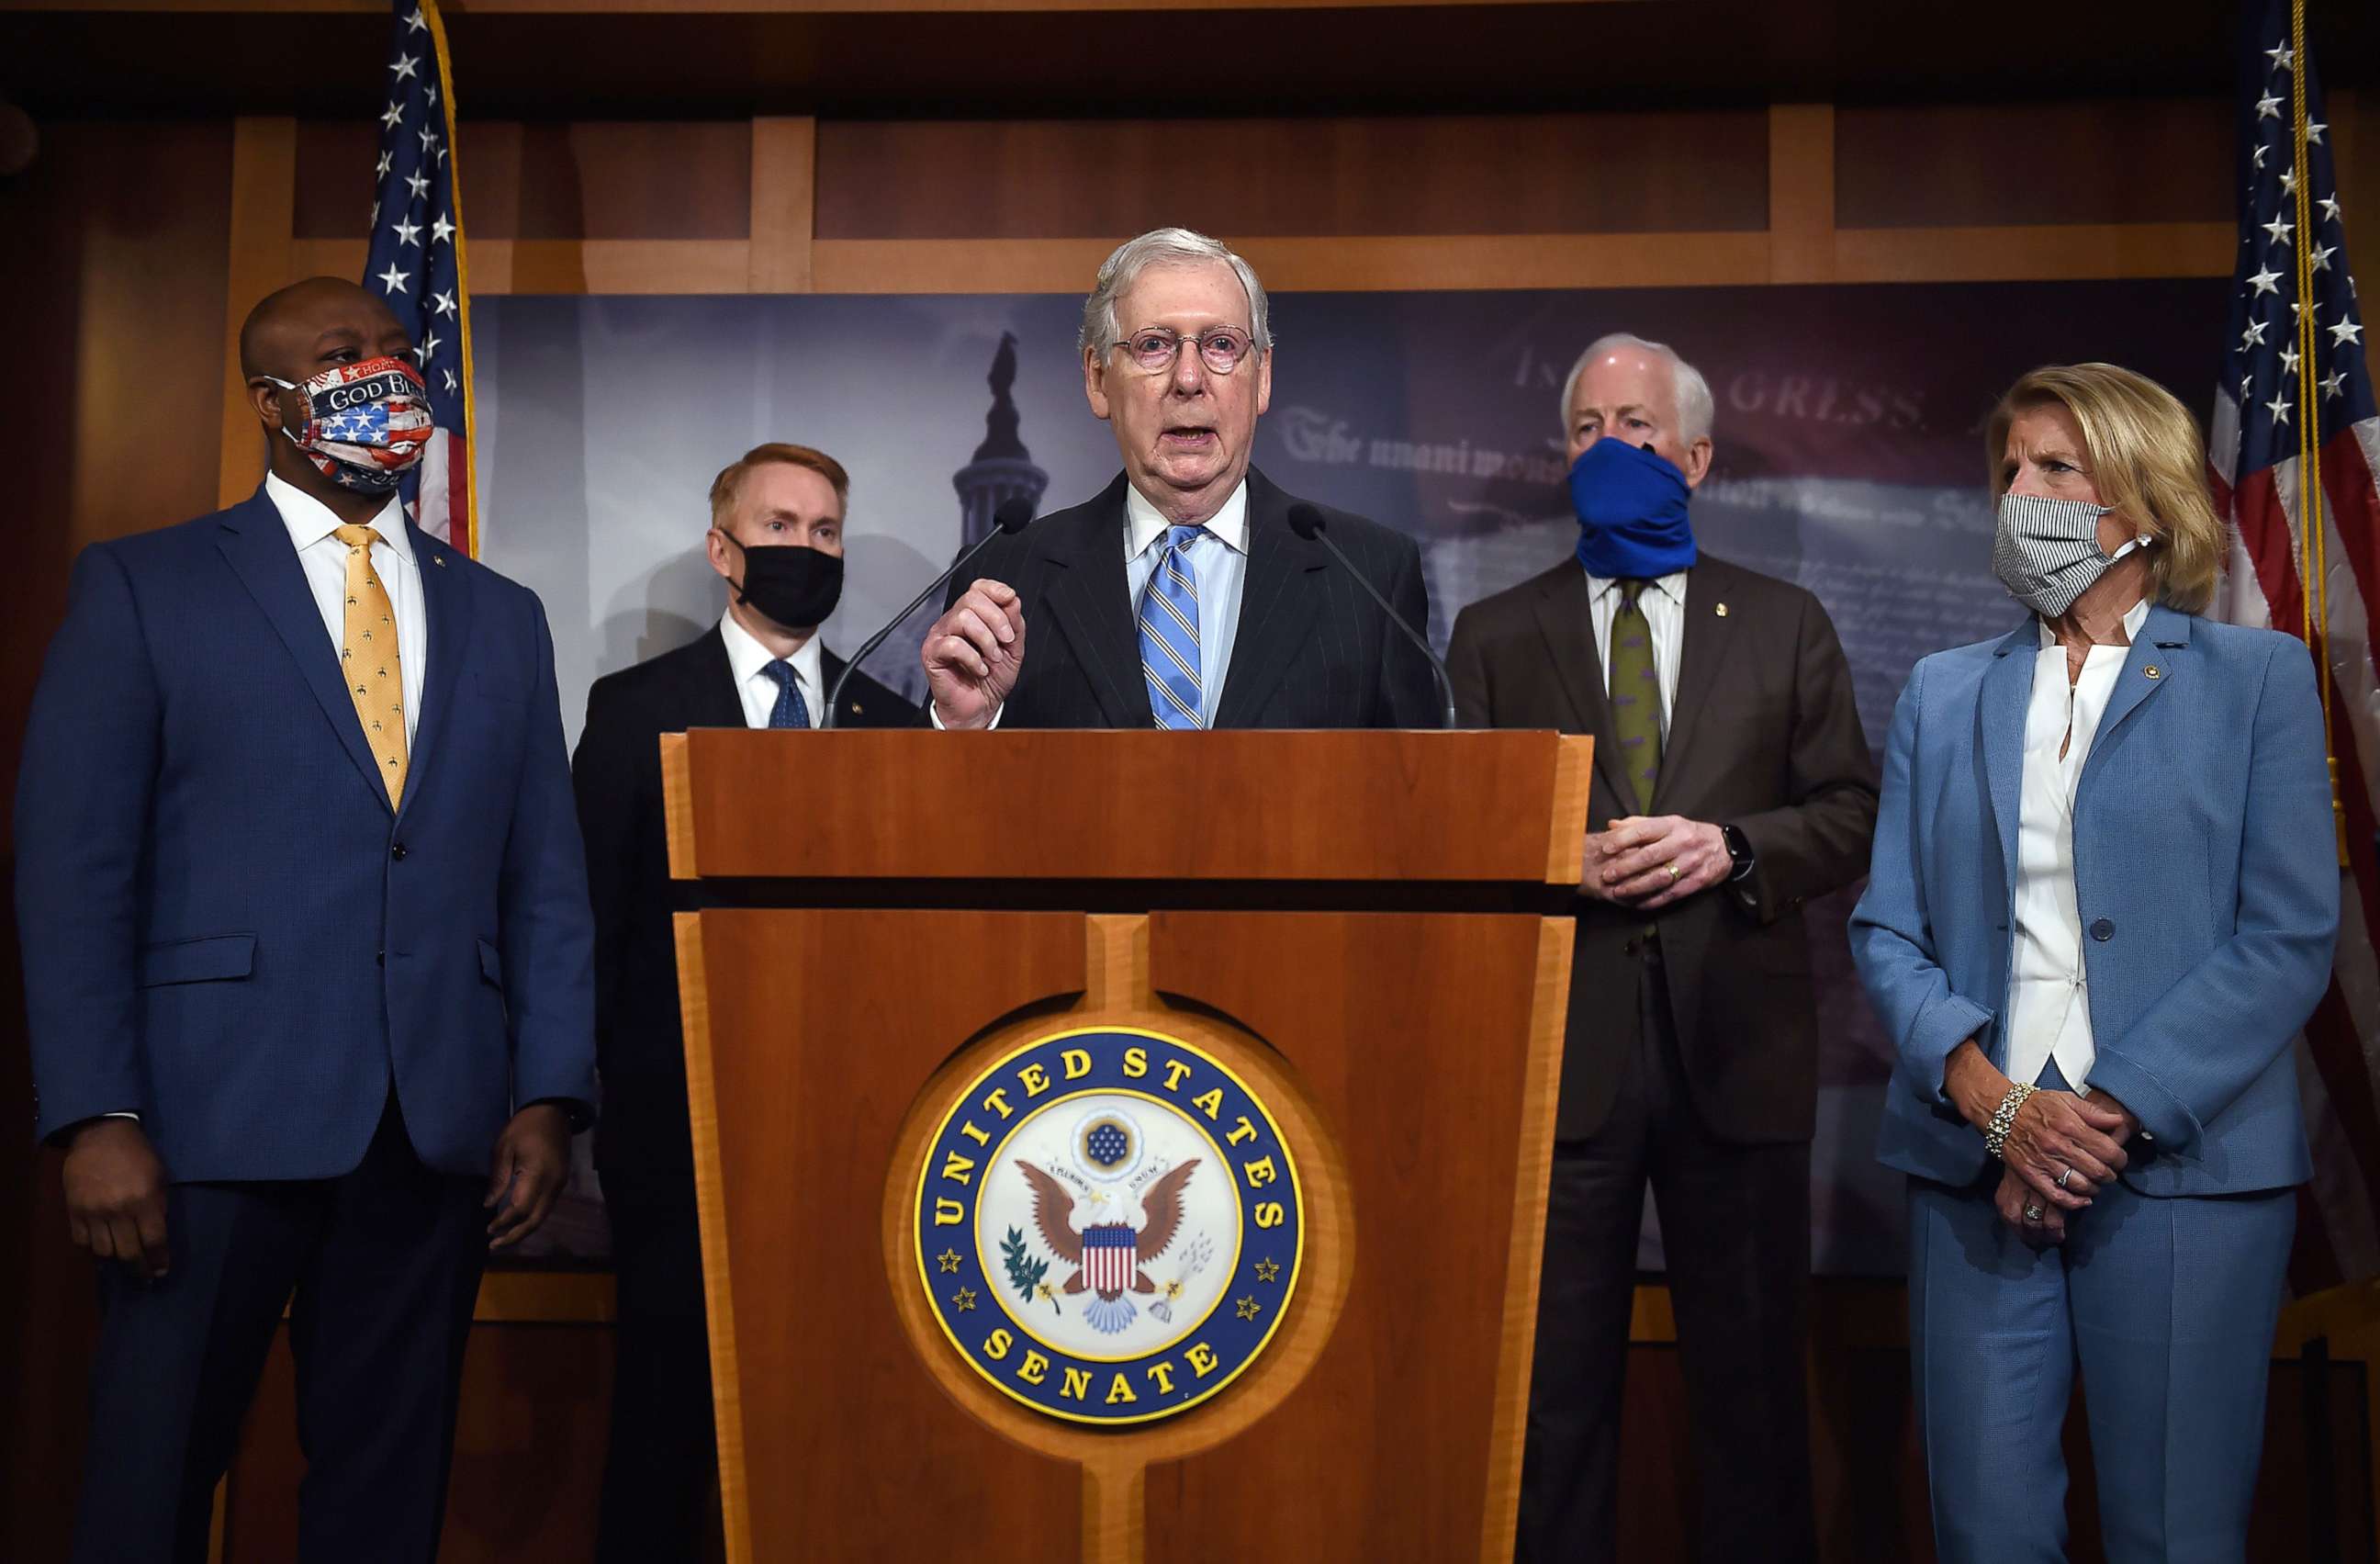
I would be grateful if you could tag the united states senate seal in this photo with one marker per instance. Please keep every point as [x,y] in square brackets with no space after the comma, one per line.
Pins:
[1109,1225]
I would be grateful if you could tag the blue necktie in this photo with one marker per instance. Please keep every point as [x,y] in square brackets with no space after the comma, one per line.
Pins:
[1169,633]
[789,711]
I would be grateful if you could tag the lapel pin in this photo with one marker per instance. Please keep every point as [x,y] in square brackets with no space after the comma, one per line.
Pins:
[1720,610]
[2151,672]
[856,708]
[439,560]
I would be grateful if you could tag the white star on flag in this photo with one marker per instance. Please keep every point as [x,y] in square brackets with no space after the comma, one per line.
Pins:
[440,228]
[383,166]
[2290,361]
[418,184]
[434,94]
[2268,108]
[2255,334]
[2290,180]
[408,233]
[405,66]
[2258,156]
[2282,55]
[392,117]
[2314,131]
[429,347]
[2280,409]
[2264,282]
[2280,230]
[2329,206]
[392,279]
[428,139]
[2346,331]
[442,302]
[2321,254]
[452,383]
[414,23]
[2335,384]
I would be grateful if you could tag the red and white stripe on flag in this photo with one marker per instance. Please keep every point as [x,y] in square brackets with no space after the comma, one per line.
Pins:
[445,496]
[1108,1253]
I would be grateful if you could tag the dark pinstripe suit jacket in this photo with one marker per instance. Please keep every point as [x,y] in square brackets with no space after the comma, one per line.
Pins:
[1313,651]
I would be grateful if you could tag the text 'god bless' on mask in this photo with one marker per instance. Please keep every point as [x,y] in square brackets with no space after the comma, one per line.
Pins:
[366,423]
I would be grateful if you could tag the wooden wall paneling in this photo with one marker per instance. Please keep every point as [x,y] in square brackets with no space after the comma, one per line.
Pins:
[1247,178]
[1802,193]
[2069,252]
[2030,163]
[263,212]
[783,204]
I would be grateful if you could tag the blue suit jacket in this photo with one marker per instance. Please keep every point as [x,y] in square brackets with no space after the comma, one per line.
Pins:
[225,928]
[2204,865]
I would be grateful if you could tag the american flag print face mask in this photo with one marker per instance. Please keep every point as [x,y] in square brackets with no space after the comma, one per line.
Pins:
[2047,551]
[366,423]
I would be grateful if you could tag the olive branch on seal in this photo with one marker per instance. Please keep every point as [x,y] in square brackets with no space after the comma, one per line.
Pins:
[1024,1274]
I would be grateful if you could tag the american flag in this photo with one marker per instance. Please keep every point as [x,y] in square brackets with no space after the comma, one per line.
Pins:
[417,261]
[2281,389]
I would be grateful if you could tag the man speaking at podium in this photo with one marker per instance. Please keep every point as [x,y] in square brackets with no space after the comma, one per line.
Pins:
[1181,597]
[776,540]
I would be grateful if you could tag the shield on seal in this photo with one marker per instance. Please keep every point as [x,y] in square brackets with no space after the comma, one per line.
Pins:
[1110,1259]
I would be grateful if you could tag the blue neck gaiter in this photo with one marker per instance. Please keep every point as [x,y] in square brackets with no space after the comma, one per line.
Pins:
[1632,512]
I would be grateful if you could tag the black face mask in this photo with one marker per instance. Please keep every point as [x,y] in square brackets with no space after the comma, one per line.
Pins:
[791,584]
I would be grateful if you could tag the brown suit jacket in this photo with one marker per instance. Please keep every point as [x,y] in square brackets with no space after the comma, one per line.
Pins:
[1762,735]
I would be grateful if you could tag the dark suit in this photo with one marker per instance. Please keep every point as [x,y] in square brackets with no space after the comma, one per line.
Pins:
[1691,1053]
[662,1442]
[323,1011]
[1313,651]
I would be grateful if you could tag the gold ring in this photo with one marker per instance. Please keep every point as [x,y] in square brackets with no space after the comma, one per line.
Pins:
[1672,867]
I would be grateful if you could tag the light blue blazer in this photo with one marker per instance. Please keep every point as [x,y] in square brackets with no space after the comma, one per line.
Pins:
[2204,865]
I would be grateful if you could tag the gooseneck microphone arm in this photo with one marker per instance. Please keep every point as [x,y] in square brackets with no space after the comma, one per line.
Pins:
[1011,517]
[1306,521]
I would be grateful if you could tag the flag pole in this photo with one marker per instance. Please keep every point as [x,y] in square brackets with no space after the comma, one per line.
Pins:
[2314,570]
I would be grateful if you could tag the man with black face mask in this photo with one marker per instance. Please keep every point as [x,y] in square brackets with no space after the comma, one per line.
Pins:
[776,541]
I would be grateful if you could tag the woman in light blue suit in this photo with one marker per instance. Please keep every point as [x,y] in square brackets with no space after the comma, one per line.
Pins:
[2103,899]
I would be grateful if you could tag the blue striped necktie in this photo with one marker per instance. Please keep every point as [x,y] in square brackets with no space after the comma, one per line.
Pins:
[1169,633]
[790,709]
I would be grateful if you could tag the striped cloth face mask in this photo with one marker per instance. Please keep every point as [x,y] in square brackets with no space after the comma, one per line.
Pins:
[2047,551]
[366,423]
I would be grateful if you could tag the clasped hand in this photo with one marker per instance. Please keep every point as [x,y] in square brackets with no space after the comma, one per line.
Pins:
[2060,1151]
[1629,861]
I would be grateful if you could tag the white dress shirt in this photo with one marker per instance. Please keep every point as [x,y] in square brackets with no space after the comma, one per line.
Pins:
[1663,602]
[1220,560]
[2049,997]
[750,661]
[324,558]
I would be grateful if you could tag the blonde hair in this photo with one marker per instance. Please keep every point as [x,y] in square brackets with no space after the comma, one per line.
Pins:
[2150,462]
[730,477]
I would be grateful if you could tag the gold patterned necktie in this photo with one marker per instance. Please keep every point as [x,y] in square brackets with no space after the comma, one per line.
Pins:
[1636,694]
[368,659]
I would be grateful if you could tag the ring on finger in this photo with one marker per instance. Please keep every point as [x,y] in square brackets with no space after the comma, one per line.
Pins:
[2032,1213]
[2063,1175]
[1674,872]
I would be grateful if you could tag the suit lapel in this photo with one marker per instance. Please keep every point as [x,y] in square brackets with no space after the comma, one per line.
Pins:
[1999,733]
[2162,644]
[1565,614]
[256,543]
[446,603]
[710,697]
[1278,599]
[1707,638]
[1089,598]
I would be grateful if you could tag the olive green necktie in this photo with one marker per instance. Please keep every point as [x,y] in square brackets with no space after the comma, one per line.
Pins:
[1635,695]
[368,656]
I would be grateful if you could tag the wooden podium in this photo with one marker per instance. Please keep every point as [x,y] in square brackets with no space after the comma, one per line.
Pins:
[1358,935]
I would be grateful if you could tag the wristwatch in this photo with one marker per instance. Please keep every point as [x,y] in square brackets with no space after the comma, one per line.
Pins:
[1739,851]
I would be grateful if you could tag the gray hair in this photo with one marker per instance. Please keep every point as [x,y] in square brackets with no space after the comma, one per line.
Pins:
[1164,247]
[1693,394]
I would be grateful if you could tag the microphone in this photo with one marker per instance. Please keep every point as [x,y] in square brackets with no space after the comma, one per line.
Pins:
[1012,516]
[1306,521]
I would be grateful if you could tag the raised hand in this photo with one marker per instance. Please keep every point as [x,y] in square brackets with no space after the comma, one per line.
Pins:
[973,655]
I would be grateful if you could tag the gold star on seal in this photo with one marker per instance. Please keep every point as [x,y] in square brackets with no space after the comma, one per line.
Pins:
[963,1300]
[949,1259]
[1268,1271]
[1249,1308]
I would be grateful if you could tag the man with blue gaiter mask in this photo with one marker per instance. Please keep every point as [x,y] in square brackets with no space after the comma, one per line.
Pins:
[1732,784]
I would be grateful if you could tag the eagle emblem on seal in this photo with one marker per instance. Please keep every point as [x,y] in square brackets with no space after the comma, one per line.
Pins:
[1107,1256]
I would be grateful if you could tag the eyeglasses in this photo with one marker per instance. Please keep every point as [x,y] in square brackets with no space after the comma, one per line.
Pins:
[1157,350]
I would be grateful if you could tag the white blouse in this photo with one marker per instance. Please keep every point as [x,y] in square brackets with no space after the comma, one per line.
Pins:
[2049,1000]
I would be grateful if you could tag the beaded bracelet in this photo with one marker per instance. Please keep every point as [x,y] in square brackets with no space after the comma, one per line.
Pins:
[2004,1120]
